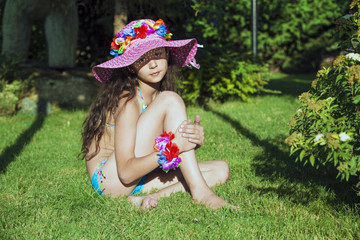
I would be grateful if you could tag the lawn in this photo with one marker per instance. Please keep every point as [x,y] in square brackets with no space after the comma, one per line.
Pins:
[45,192]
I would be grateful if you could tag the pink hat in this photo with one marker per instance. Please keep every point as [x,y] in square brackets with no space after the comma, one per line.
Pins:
[139,37]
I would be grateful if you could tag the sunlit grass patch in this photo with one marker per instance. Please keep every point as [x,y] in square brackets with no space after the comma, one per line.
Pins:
[45,191]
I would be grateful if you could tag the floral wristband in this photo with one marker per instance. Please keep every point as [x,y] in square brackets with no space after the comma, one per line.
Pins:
[168,152]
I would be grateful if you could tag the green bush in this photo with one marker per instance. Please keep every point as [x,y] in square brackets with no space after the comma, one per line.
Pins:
[296,35]
[225,67]
[291,34]
[14,85]
[326,128]
[11,94]
[222,78]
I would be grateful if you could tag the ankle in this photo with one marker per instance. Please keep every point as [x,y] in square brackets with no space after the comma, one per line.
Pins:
[201,194]
[154,196]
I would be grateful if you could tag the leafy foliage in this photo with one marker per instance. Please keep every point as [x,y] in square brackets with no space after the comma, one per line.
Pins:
[225,69]
[291,34]
[297,34]
[326,128]
[14,85]
[222,78]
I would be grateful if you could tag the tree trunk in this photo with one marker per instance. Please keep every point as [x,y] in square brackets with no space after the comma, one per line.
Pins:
[120,16]
[61,29]
[16,25]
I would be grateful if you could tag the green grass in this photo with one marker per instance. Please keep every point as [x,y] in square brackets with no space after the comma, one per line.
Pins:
[45,192]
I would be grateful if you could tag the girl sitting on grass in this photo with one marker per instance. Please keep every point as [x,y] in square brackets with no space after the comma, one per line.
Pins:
[138,105]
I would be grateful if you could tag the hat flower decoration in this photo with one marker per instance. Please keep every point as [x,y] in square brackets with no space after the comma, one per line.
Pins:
[139,37]
[141,29]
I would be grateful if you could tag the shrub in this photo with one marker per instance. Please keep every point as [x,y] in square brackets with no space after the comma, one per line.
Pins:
[326,128]
[291,34]
[222,78]
[14,85]
[11,94]
[296,35]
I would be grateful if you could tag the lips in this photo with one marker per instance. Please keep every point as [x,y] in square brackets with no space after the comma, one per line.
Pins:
[155,74]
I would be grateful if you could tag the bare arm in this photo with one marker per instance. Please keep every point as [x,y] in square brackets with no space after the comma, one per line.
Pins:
[130,167]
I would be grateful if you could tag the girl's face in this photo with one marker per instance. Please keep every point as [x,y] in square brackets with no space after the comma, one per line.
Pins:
[152,66]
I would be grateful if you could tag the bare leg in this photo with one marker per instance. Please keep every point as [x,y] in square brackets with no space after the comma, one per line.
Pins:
[214,172]
[166,113]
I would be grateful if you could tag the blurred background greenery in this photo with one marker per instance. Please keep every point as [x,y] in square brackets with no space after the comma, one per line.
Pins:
[296,36]
[292,35]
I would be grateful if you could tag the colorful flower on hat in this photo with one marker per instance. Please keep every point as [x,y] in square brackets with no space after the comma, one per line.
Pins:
[114,44]
[159,22]
[161,30]
[128,32]
[139,30]
[119,40]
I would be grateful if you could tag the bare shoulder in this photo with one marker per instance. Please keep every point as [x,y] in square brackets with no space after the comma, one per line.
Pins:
[127,108]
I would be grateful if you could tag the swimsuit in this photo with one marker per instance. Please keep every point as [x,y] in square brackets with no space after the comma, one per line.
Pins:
[98,174]
[95,178]
[142,101]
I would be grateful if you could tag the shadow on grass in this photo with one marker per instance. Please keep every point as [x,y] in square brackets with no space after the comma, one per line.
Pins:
[274,164]
[278,166]
[291,84]
[11,152]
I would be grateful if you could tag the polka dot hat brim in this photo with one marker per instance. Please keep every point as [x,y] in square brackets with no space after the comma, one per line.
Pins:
[183,52]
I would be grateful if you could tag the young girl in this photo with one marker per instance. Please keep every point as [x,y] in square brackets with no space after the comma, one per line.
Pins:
[137,137]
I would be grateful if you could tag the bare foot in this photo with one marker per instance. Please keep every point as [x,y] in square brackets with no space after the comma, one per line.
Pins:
[143,202]
[214,201]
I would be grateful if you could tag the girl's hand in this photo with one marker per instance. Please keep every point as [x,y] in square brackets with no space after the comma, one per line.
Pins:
[181,141]
[193,132]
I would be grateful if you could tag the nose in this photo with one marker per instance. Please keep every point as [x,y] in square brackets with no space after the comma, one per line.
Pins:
[152,64]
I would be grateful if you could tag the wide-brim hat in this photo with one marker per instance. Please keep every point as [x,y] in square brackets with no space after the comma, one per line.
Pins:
[139,37]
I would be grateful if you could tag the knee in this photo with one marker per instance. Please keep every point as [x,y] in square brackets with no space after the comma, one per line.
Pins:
[222,171]
[171,99]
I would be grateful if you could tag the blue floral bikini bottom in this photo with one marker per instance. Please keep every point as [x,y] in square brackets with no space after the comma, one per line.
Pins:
[98,174]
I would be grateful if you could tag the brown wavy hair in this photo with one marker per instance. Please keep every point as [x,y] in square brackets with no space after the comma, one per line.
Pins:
[122,84]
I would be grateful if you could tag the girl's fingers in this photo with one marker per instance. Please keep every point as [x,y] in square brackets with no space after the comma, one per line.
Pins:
[196,141]
[188,130]
[184,125]
[195,136]
[191,129]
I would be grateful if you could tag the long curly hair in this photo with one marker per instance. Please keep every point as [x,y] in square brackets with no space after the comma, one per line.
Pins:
[122,84]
